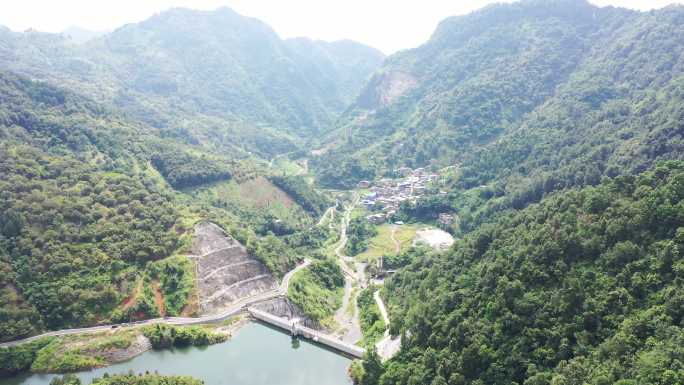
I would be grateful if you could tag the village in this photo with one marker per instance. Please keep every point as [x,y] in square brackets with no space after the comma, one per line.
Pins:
[385,196]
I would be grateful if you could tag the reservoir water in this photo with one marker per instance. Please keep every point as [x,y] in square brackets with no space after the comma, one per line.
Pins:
[256,355]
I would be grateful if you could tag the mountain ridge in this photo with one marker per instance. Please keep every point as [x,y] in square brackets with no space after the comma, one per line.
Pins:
[213,77]
[466,98]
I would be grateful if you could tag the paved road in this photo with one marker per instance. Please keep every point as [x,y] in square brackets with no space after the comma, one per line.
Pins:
[381,305]
[234,308]
[349,322]
[387,346]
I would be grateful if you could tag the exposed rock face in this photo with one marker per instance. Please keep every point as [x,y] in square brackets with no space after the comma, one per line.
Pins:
[385,87]
[281,307]
[225,271]
[112,355]
[139,346]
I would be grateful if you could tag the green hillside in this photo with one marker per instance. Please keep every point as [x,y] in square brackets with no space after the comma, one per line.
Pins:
[530,97]
[554,130]
[214,78]
[76,211]
[88,201]
[582,288]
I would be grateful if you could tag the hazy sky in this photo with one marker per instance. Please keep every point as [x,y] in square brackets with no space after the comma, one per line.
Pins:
[389,25]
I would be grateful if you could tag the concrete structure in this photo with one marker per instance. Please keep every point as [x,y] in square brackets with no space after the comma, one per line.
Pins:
[296,329]
[376,219]
[235,308]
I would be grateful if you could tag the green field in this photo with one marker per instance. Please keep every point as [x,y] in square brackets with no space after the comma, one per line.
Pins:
[382,244]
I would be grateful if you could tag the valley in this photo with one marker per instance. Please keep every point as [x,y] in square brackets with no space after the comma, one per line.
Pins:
[194,194]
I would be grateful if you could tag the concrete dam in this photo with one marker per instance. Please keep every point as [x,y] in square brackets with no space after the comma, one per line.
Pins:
[296,329]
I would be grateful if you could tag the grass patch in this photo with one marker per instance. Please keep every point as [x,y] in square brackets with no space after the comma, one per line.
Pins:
[257,201]
[382,244]
[287,167]
[358,212]
[351,306]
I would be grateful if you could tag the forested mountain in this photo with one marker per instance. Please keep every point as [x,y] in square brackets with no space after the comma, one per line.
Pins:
[103,145]
[585,287]
[80,35]
[563,121]
[214,78]
[90,213]
[76,210]
[528,97]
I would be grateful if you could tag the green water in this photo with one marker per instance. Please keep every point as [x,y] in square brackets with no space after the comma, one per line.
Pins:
[256,355]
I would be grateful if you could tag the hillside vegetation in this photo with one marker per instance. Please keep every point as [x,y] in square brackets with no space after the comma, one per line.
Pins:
[129,379]
[186,170]
[527,98]
[211,78]
[75,215]
[555,127]
[318,290]
[582,288]
[87,225]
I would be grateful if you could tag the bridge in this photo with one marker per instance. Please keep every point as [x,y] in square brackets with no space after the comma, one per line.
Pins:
[293,327]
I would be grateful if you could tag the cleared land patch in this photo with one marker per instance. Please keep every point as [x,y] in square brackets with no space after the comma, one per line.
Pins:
[435,238]
[383,244]
[253,199]
[262,193]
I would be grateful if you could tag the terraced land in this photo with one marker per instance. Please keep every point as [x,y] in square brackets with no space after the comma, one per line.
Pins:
[225,271]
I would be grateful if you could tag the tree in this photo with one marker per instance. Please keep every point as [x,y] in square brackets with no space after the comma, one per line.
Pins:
[372,367]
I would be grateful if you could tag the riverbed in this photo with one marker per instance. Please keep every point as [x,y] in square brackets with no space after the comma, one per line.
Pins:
[256,355]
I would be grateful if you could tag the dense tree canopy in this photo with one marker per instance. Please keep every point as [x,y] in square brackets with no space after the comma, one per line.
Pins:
[186,170]
[585,287]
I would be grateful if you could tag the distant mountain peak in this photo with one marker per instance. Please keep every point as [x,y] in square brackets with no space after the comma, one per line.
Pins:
[81,35]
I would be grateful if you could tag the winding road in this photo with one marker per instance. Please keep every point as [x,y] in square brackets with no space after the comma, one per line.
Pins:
[234,308]
[349,322]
